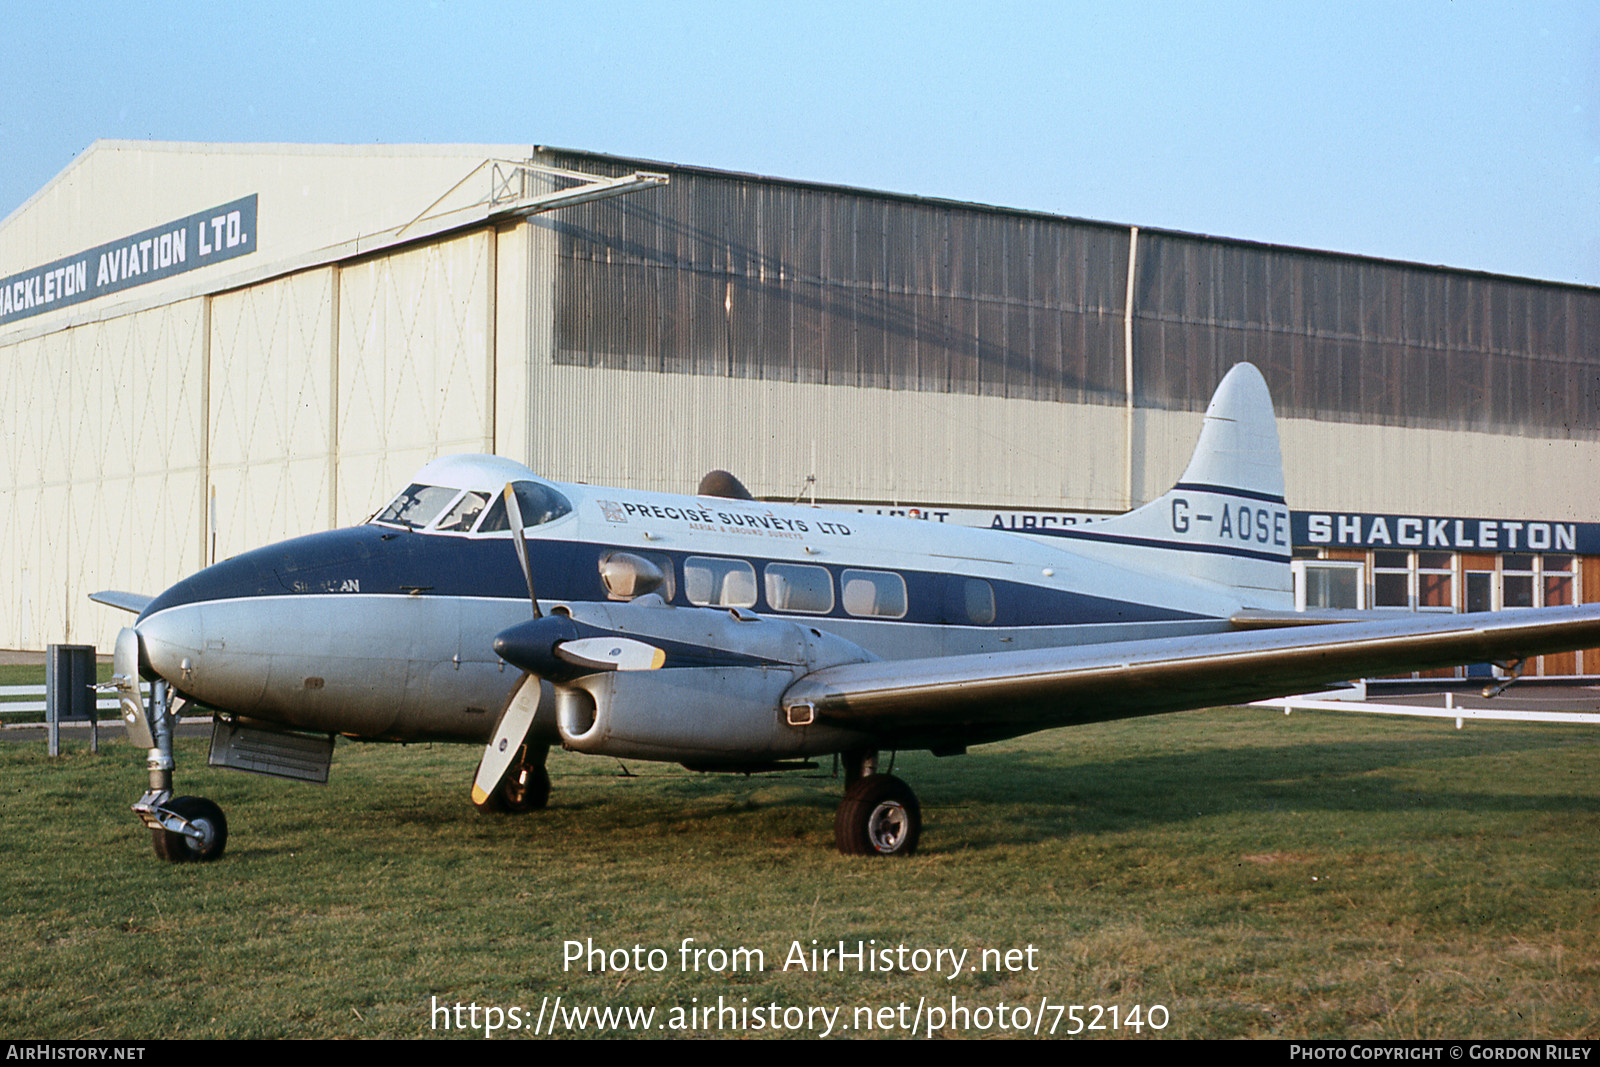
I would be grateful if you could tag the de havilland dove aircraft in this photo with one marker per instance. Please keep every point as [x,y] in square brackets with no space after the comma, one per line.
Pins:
[488,606]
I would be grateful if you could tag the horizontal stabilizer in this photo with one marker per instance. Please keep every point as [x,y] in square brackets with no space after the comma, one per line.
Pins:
[1257,619]
[116,598]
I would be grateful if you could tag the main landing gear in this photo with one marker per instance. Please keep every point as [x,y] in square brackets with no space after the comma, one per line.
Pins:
[182,829]
[526,786]
[879,815]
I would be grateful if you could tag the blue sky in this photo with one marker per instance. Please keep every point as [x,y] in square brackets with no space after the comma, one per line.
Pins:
[1465,133]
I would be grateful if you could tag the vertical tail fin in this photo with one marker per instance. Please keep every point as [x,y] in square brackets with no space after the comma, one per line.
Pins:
[1225,521]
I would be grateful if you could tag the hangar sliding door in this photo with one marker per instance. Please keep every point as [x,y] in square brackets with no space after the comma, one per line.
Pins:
[415,363]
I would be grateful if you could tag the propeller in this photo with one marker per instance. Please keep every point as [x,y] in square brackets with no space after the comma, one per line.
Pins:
[560,648]
[554,647]
[515,722]
[516,719]
[611,654]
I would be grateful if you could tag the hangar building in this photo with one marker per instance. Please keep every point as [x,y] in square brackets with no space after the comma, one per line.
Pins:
[209,347]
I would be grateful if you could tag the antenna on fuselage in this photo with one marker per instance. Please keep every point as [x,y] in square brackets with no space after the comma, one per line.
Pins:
[519,542]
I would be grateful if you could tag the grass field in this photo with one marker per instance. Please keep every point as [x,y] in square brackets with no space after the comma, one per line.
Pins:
[1255,875]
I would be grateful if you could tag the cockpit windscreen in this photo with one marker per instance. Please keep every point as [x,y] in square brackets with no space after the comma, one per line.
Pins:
[417,506]
[457,511]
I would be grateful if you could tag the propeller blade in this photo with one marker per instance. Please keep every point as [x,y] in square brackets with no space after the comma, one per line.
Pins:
[611,654]
[515,722]
[514,514]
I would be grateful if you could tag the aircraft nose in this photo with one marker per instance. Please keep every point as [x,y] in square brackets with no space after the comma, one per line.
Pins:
[172,640]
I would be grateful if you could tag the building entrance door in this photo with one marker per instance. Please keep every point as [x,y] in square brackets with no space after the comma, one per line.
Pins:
[1479,597]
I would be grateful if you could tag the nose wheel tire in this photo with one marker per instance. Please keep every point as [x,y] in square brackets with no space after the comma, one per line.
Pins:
[879,816]
[202,815]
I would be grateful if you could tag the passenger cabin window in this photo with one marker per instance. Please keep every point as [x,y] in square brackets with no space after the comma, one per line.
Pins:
[798,587]
[539,504]
[417,506]
[719,583]
[978,598]
[880,594]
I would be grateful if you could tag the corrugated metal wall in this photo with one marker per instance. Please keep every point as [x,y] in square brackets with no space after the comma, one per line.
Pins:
[270,411]
[723,276]
[1355,340]
[302,402]
[916,349]
[745,277]
[415,366]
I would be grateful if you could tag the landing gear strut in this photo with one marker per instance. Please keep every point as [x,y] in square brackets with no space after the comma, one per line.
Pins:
[181,828]
[879,815]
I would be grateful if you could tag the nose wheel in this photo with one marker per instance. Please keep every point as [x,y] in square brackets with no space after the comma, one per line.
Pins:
[200,830]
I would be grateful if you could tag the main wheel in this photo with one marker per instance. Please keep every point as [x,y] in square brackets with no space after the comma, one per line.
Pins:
[204,816]
[879,816]
[525,788]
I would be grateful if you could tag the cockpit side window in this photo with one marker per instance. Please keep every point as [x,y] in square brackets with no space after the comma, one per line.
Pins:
[460,518]
[417,505]
[539,504]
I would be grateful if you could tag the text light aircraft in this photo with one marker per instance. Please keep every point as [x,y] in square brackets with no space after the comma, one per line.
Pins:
[488,606]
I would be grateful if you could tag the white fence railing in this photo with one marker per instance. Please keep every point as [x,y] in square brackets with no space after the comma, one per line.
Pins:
[1449,711]
[29,700]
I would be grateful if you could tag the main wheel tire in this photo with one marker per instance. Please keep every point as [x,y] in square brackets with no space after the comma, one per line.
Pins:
[204,816]
[525,788]
[879,816]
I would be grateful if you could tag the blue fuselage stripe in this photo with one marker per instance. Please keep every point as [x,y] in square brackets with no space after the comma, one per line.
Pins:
[1228,490]
[378,560]
[1176,546]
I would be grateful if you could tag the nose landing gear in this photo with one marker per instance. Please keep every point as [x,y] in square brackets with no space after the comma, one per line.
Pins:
[182,829]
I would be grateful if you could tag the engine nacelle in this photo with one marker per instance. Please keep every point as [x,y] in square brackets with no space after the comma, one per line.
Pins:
[716,701]
[698,715]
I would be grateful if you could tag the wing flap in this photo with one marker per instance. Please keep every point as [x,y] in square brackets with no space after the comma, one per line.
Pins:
[1002,694]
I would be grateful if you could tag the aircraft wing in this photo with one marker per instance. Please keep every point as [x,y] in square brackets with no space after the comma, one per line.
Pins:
[973,698]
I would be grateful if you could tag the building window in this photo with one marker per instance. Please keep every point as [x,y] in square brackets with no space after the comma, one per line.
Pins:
[1560,580]
[1436,581]
[1516,581]
[1391,579]
[1327,583]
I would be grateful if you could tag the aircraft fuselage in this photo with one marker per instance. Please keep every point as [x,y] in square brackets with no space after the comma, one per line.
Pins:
[383,631]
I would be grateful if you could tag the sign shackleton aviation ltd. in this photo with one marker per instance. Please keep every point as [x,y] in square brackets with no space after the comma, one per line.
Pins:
[186,244]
